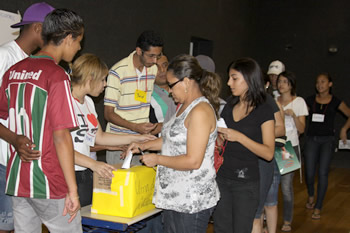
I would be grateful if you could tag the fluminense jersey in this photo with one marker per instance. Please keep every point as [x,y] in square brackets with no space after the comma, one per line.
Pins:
[36,96]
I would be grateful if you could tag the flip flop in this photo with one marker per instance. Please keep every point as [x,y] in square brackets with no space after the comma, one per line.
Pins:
[316,216]
[309,205]
[286,227]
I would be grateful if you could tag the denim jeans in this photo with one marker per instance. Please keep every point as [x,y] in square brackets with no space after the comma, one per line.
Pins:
[6,214]
[236,209]
[175,222]
[288,192]
[266,172]
[154,224]
[318,150]
[272,196]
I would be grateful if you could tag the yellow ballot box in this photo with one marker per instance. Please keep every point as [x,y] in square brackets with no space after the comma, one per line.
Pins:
[127,194]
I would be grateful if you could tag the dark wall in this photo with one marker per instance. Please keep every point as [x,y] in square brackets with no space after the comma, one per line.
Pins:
[297,32]
[300,33]
[112,26]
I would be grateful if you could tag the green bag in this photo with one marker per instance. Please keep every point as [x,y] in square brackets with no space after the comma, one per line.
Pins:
[286,158]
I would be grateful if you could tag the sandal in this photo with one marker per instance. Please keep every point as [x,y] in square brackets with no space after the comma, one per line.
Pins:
[286,227]
[310,205]
[316,215]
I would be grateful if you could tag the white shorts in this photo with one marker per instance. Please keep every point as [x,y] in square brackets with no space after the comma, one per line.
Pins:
[30,213]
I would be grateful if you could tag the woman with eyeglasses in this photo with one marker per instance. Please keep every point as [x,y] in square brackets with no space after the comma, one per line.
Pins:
[185,186]
[320,142]
[249,135]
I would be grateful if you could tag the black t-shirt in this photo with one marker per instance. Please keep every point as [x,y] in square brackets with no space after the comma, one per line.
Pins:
[325,128]
[239,162]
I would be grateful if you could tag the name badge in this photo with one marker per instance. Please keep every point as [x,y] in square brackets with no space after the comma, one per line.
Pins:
[141,96]
[289,123]
[316,117]
[89,139]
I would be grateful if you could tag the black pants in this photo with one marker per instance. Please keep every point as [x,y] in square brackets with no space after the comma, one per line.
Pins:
[85,186]
[237,207]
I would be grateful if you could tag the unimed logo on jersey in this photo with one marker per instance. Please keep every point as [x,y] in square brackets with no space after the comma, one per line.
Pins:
[23,75]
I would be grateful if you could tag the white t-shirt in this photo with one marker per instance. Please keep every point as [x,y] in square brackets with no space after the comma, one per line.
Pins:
[299,107]
[10,54]
[84,137]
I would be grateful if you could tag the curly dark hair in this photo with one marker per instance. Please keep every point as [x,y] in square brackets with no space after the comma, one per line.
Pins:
[149,38]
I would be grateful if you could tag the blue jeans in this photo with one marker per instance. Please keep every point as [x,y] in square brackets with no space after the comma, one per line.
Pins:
[272,196]
[288,192]
[154,224]
[266,172]
[236,209]
[6,214]
[318,151]
[175,222]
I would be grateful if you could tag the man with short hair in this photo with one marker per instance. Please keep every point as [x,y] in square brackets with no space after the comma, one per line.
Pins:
[129,89]
[162,104]
[11,53]
[36,98]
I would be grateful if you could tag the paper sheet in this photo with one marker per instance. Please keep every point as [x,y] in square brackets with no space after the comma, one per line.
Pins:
[127,161]
[221,123]
[344,146]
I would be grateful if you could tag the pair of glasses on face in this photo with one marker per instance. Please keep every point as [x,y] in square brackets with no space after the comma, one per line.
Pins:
[173,84]
[152,56]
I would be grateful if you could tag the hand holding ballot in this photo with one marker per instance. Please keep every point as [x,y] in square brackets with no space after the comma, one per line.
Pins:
[149,160]
[345,145]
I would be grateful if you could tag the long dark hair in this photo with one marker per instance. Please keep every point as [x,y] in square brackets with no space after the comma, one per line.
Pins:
[253,76]
[291,80]
[209,83]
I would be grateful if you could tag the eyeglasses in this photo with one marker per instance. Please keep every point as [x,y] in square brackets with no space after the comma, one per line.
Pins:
[173,84]
[152,56]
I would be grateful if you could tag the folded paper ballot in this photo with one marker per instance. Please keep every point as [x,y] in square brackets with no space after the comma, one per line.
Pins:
[344,145]
[221,123]
[127,161]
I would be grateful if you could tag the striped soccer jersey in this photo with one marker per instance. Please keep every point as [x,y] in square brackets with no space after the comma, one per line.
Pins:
[36,97]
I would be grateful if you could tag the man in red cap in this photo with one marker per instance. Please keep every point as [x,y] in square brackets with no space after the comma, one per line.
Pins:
[11,53]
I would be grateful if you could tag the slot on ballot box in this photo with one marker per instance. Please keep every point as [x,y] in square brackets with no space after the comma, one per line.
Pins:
[127,194]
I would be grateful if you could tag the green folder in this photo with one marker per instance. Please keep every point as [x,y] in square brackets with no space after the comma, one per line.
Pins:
[286,158]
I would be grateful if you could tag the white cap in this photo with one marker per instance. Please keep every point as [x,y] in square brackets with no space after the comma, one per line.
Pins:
[276,67]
